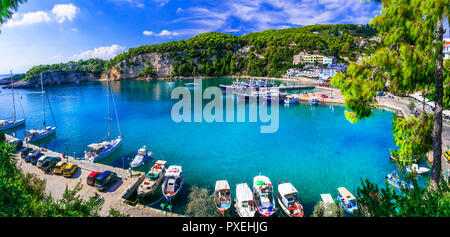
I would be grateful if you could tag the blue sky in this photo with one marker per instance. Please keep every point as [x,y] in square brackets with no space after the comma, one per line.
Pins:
[53,31]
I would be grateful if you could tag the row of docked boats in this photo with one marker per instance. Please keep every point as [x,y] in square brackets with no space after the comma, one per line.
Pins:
[261,199]
[171,178]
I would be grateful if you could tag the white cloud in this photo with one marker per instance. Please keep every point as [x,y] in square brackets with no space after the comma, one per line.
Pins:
[179,10]
[163,33]
[28,19]
[60,13]
[106,53]
[64,12]
[74,29]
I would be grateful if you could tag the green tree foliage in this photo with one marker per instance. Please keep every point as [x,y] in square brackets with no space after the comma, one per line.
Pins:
[200,203]
[95,66]
[418,202]
[410,57]
[7,9]
[334,209]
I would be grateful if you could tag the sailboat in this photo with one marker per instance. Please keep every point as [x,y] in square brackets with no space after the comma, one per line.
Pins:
[34,135]
[100,150]
[6,124]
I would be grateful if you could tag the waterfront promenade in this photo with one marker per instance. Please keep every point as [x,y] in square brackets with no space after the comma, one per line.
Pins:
[56,184]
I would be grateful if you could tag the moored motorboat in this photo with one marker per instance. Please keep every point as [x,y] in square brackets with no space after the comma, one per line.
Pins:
[417,169]
[263,197]
[152,179]
[314,101]
[290,99]
[141,157]
[244,201]
[173,182]
[394,180]
[222,196]
[34,135]
[289,200]
[101,150]
[347,200]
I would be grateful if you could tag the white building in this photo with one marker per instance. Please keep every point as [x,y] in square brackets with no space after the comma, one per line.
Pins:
[446,48]
[329,60]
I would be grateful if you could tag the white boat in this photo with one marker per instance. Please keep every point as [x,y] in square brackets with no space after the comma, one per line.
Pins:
[173,182]
[141,157]
[314,101]
[6,124]
[290,99]
[263,197]
[222,196]
[244,201]
[103,149]
[328,201]
[289,200]
[34,135]
[417,169]
[193,84]
[98,151]
[152,179]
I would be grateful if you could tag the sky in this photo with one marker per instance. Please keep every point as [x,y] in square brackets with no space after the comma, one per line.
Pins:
[54,31]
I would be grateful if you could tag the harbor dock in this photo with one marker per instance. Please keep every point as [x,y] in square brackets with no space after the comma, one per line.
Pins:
[56,184]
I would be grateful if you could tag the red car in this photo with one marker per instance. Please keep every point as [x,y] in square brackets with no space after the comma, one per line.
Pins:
[324,96]
[92,176]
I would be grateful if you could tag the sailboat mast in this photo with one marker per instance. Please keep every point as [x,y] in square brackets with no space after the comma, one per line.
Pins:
[107,91]
[42,91]
[267,81]
[14,100]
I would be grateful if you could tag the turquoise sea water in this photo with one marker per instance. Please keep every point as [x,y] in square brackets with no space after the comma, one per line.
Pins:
[315,148]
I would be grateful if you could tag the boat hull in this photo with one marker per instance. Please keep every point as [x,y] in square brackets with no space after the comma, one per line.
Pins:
[286,210]
[350,211]
[171,196]
[41,136]
[13,124]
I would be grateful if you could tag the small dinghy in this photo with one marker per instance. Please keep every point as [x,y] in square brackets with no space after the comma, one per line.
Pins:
[222,196]
[152,179]
[417,169]
[244,201]
[141,157]
[347,200]
[289,200]
[263,197]
[394,180]
[173,182]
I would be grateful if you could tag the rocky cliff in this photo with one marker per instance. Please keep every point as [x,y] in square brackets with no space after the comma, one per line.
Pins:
[54,78]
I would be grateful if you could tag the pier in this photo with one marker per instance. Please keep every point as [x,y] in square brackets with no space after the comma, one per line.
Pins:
[126,183]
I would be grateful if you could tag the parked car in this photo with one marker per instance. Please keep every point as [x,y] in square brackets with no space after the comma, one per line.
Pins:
[59,167]
[35,158]
[69,170]
[105,179]
[49,163]
[41,160]
[324,96]
[31,154]
[25,151]
[92,177]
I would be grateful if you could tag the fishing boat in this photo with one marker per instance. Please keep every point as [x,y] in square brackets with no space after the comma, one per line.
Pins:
[34,135]
[6,124]
[152,179]
[417,169]
[290,99]
[314,101]
[141,157]
[173,182]
[103,149]
[289,200]
[394,180]
[222,196]
[244,201]
[263,197]
[347,200]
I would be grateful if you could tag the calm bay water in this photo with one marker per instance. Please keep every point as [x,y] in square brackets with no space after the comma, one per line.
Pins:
[315,148]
